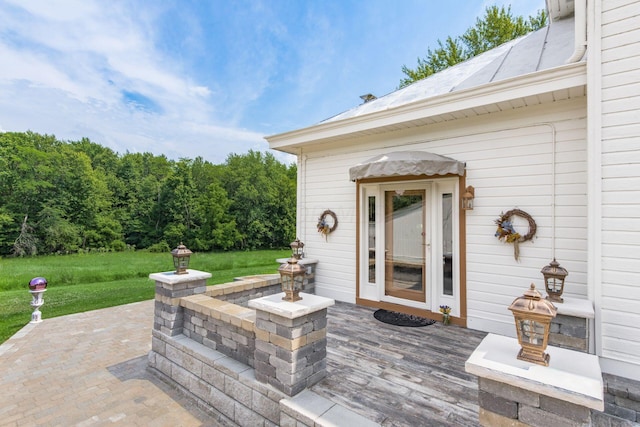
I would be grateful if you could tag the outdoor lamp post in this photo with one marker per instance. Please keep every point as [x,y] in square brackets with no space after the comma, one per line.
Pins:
[533,319]
[296,248]
[37,286]
[181,258]
[467,198]
[292,279]
[554,276]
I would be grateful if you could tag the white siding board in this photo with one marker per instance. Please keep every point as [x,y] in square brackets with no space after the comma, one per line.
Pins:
[616,348]
[621,264]
[620,79]
[629,90]
[619,171]
[621,131]
[620,117]
[621,65]
[509,164]
[623,305]
[625,157]
[615,11]
[622,144]
[622,42]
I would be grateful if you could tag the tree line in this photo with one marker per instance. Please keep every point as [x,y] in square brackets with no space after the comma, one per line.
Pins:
[69,196]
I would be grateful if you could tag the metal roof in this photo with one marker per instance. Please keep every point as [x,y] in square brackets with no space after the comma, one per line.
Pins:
[546,48]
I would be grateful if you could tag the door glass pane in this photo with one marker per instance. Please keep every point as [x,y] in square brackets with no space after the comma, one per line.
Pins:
[371,224]
[404,244]
[447,243]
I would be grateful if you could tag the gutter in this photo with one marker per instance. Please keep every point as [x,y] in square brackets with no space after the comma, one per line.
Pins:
[563,77]
[580,36]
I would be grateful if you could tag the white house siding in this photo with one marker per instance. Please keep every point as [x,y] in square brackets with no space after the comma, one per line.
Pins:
[619,290]
[509,162]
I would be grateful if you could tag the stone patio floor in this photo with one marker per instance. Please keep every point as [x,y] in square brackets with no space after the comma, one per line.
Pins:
[90,369]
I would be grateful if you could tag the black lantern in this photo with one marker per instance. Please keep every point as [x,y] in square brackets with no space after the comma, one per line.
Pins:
[292,279]
[296,249]
[467,198]
[181,258]
[554,276]
[533,320]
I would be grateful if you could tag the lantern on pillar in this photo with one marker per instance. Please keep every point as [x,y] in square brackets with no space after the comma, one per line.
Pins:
[533,320]
[292,279]
[296,249]
[554,276]
[181,259]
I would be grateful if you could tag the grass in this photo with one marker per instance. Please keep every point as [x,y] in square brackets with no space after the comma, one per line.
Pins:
[84,282]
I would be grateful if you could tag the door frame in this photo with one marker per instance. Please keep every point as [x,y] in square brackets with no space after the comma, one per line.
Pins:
[362,253]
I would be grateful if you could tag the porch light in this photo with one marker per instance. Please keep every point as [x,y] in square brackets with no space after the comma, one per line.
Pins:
[296,248]
[533,320]
[181,259]
[292,279]
[554,276]
[467,198]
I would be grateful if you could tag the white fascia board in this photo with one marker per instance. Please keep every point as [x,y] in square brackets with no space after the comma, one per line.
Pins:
[564,77]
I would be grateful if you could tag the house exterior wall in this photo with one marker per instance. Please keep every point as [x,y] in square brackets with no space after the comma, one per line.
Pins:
[509,157]
[618,289]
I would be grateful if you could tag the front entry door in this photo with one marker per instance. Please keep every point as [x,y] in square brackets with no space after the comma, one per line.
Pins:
[410,244]
[405,262]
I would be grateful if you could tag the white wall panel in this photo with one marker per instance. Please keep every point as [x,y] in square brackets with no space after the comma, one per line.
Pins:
[620,159]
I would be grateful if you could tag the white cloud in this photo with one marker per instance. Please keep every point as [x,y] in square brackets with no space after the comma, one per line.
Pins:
[67,64]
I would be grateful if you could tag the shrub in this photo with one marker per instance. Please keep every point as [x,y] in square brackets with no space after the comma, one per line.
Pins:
[160,247]
[118,246]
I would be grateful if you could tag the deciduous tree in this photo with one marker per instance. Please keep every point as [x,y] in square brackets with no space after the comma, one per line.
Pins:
[497,26]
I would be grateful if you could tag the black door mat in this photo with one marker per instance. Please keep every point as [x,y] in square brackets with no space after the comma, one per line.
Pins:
[401,319]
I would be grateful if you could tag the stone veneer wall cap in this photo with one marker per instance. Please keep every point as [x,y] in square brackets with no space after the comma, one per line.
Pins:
[172,278]
[291,310]
[571,376]
[576,307]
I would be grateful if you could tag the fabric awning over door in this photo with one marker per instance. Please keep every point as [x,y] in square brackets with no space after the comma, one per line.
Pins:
[403,163]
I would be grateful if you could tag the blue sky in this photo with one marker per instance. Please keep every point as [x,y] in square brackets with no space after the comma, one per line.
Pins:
[208,78]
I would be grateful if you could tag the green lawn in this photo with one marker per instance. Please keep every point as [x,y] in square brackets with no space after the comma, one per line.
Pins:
[86,282]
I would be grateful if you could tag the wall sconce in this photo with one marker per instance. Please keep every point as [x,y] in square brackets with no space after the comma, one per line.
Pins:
[467,198]
[554,276]
[533,320]
[181,259]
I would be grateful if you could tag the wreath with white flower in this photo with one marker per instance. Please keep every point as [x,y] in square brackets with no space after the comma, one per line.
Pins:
[508,233]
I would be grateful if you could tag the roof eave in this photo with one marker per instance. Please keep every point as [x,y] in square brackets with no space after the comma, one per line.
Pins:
[563,77]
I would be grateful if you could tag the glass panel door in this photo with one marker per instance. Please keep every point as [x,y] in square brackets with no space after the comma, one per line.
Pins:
[404,244]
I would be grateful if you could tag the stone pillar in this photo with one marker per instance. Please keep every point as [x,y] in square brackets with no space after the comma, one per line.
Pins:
[170,287]
[513,392]
[291,341]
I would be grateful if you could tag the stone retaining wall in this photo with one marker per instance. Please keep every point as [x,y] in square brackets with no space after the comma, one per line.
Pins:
[505,405]
[205,342]
[245,289]
[570,332]
[221,385]
[621,403]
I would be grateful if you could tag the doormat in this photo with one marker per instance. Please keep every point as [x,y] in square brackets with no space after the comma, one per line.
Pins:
[401,319]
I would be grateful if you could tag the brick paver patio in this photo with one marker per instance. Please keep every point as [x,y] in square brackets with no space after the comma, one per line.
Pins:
[89,369]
